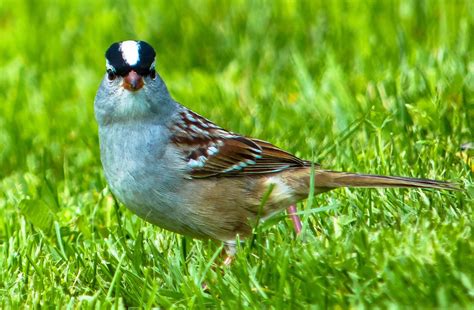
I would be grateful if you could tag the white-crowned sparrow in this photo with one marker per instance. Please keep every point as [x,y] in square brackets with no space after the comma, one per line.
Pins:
[180,171]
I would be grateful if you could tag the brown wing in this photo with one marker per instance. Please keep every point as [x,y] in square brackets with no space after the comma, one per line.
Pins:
[213,151]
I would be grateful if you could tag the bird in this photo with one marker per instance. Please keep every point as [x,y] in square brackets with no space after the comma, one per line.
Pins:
[180,171]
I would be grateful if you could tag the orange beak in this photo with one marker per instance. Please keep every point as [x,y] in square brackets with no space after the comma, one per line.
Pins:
[133,81]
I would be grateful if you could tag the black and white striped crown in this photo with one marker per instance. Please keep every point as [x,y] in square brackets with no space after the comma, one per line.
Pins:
[122,57]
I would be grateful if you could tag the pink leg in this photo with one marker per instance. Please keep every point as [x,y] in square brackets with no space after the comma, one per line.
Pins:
[229,250]
[294,218]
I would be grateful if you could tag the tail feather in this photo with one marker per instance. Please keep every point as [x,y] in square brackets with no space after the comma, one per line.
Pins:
[334,179]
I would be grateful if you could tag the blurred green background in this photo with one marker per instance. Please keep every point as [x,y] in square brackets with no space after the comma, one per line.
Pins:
[374,86]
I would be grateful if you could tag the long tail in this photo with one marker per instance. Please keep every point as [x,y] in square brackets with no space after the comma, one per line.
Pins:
[334,179]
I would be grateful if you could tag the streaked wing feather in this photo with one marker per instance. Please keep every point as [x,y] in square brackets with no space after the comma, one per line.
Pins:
[213,151]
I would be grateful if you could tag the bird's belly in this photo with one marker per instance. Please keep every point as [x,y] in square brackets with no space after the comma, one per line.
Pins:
[154,196]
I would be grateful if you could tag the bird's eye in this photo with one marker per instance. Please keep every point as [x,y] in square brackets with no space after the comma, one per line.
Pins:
[111,76]
[153,73]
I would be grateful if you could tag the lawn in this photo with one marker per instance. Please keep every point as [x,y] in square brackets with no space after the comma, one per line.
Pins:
[381,87]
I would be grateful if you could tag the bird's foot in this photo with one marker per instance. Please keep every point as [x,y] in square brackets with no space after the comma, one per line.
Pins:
[229,251]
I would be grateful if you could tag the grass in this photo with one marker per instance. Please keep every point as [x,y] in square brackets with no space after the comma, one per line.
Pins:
[377,87]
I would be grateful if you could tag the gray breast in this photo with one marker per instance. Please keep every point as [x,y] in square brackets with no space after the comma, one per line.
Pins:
[141,168]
